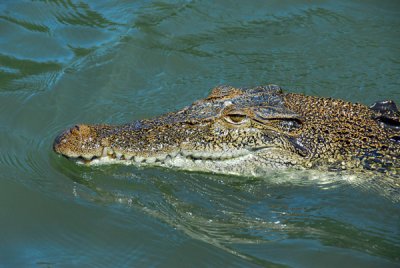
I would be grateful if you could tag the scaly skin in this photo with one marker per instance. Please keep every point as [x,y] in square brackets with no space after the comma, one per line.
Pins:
[249,132]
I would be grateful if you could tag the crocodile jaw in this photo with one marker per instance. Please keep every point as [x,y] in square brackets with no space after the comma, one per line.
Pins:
[237,162]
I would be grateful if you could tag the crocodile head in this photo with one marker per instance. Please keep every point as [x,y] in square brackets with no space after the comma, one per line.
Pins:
[241,131]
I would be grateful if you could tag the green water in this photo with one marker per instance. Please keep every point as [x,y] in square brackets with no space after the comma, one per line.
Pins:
[66,62]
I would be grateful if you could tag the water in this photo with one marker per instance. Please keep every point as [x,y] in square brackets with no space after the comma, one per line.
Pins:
[65,62]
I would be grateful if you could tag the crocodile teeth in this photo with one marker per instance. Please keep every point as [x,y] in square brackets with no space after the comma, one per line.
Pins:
[197,155]
[162,157]
[173,154]
[88,157]
[181,158]
[138,159]
[150,160]
[127,156]
[185,153]
[216,156]
[104,152]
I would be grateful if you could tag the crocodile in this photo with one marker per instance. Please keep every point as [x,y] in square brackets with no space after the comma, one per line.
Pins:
[248,131]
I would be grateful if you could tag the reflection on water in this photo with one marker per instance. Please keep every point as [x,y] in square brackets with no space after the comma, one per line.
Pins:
[65,62]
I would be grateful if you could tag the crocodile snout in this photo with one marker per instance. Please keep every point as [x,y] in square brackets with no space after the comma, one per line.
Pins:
[61,138]
[78,141]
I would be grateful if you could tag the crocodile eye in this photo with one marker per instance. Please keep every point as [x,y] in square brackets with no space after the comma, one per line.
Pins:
[236,119]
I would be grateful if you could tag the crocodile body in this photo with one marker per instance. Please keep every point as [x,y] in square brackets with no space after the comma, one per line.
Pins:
[249,132]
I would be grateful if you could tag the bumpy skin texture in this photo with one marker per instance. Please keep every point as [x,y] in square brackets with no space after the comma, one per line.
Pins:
[247,131]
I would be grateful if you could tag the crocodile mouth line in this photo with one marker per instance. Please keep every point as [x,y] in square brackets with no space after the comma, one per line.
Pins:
[110,156]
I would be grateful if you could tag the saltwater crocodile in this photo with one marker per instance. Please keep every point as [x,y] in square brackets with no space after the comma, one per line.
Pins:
[249,131]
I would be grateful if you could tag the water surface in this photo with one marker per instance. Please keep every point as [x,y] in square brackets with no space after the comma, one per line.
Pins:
[67,62]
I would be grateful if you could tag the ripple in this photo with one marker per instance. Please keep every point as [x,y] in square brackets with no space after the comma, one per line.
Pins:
[84,16]
[226,213]
[115,61]
[27,25]
[23,69]
[60,30]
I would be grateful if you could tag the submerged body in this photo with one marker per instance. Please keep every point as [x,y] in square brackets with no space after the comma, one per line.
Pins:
[249,132]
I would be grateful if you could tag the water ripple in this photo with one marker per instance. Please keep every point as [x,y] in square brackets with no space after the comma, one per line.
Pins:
[31,26]
[61,29]
[83,14]
[227,212]
[117,61]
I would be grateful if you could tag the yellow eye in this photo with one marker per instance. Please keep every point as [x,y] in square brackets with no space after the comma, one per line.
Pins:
[236,119]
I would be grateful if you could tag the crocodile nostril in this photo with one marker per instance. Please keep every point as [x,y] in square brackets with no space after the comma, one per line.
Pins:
[75,129]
